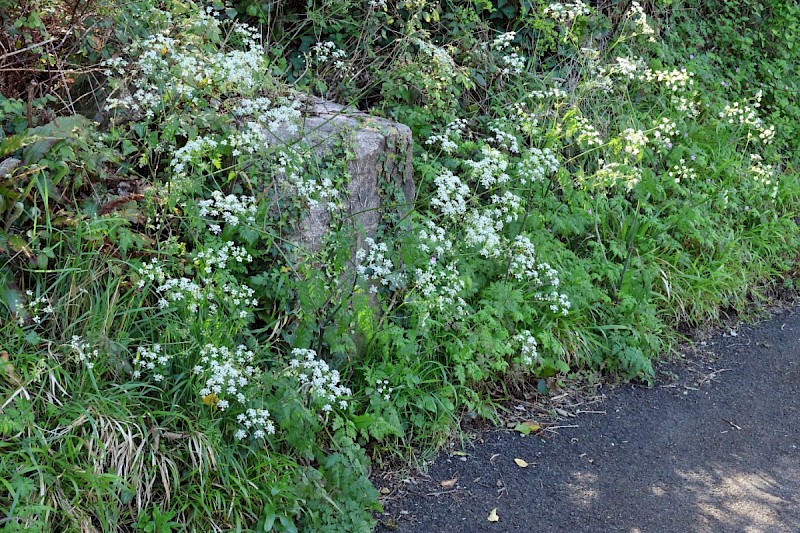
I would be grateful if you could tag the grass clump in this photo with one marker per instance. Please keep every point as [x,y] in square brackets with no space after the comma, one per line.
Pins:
[171,356]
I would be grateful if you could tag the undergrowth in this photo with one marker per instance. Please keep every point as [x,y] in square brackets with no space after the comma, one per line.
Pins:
[589,179]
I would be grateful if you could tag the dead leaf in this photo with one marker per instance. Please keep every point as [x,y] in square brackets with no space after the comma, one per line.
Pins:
[10,370]
[211,400]
[385,490]
[493,516]
[521,463]
[460,454]
[448,483]
[527,427]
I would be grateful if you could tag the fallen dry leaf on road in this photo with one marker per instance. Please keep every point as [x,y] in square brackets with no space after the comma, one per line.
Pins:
[385,490]
[521,463]
[448,483]
[528,426]
[493,516]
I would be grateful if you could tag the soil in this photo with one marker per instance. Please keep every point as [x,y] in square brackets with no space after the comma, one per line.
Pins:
[714,446]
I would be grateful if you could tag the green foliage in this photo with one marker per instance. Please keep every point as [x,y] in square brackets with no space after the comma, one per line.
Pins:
[587,185]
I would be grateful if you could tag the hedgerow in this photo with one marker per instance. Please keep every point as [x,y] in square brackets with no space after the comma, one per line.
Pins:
[591,179]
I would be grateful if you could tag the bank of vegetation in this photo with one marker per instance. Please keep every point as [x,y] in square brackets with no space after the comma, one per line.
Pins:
[591,178]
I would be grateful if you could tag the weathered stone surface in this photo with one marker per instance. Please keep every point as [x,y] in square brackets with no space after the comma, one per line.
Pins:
[381,179]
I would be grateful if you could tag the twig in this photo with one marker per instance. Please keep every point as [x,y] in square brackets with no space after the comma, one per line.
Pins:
[31,47]
[732,424]
[451,491]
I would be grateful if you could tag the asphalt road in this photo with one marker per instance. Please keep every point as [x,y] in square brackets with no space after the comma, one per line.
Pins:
[714,448]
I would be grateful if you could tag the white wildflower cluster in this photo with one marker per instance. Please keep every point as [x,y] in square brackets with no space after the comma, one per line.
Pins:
[152,272]
[611,174]
[483,230]
[217,256]
[252,137]
[527,346]
[634,142]
[586,134]
[558,302]
[327,51]
[442,64]
[673,80]
[194,149]
[451,195]
[507,206]
[255,422]
[37,308]
[627,67]
[503,139]
[150,359]
[639,18]
[227,374]
[375,266]
[763,174]
[288,164]
[491,169]
[440,284]
[281,115]
[680,85]
[686,105]
[181,290]
[664,131]
[83,351]
[233,210]
[525,267]
[681,172]
[448,140]
[114,66]
[748,116]
[377,4]
[213,286]
[319,379]
[237,298]
[503,41]
[383,390]
[566,12]
[536,164]
[438,280]
[513,63]
[554,93]
[169,70]
[526,121]
[433,239]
